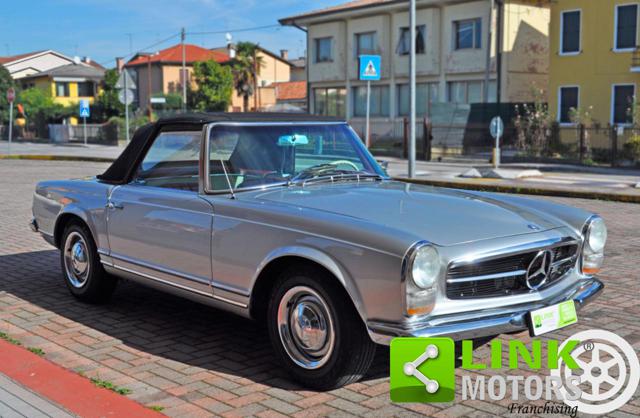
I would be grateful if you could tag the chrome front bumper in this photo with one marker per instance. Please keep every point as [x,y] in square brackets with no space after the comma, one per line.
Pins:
[495,322]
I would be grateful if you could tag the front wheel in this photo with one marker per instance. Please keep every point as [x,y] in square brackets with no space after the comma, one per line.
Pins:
[83,273]
[316,331]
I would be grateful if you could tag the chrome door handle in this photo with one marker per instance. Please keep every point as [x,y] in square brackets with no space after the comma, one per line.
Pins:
[113,205]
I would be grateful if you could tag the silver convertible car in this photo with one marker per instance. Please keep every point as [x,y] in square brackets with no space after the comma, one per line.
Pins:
[288,219]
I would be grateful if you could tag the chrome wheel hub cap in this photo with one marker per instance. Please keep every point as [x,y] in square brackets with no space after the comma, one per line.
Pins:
[305,327]
[76,260]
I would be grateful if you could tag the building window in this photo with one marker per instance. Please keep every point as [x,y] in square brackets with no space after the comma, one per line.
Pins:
[570,32]
[623,97]
[323,49]
[425,93]
[379,101]
[404,44]
[366,44]
[626,26]
[464,92]
[468,34]
[62,89]
[568,100]
[86,89]
[329,101]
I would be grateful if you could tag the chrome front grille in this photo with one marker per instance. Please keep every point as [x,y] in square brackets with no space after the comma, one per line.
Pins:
[506,275]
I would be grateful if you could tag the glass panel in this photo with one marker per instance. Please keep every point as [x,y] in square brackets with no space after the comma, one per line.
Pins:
[493,91]
[320,101]
[478,33]
[403,99]
[62,89]
[623,100]
[434,92]
[627,26]
[403,42]
[172,161]
[366,43]
[341,99]
[85,89]
[332,101]
[457,92]
[474,92]
[323,50]
[568,101]
[571,32]
[258,156]
[464,34]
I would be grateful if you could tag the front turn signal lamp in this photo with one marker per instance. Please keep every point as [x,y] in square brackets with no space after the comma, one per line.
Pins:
[595,239]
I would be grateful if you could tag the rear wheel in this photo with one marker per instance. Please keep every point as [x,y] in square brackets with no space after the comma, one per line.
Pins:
[316,331]
[83,273]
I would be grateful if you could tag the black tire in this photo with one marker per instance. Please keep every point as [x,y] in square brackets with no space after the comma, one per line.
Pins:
[97,285]
[353,350]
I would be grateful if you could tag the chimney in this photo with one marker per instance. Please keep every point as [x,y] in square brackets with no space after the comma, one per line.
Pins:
[284,54]
[86,60]
[119,64]
[231,48]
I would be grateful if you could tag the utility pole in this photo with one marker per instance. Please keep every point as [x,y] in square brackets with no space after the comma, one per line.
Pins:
[487,71]
[149,87]
[183,35]
[412,89]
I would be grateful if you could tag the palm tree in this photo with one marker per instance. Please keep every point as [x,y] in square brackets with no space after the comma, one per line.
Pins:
[246,69]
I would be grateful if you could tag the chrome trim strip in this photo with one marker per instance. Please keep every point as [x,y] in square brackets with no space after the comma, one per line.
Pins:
[169,283]
[518,249]
[203,280]
[488,276]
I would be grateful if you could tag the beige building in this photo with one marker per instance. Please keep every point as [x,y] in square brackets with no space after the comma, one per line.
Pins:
[456,48]
[274,69]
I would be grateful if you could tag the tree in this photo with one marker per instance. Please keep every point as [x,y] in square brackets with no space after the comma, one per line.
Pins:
[246,69]
[40,109]
[5,82]
[533,123]
[107,103]
[214,87]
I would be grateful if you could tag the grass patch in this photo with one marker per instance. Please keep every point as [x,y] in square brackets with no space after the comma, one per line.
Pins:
[37,351]
[156,408]
[9,339]
[110,386]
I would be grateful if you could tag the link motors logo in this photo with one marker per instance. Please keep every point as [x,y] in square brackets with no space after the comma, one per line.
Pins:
[593,372]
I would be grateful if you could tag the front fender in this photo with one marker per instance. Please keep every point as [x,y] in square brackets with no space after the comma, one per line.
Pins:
[323,259]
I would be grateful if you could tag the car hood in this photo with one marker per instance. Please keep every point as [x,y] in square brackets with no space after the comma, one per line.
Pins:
[441,216]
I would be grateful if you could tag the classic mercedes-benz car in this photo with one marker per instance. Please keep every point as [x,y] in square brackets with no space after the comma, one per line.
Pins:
[288,219]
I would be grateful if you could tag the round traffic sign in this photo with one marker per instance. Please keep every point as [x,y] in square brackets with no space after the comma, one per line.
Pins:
[125,96]
[496,127]
[11,94]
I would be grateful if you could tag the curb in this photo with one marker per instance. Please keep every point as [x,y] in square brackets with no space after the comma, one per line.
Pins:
[71,391]
[55,158]
[503,188]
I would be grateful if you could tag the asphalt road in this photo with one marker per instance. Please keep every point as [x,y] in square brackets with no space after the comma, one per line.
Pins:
[197,361]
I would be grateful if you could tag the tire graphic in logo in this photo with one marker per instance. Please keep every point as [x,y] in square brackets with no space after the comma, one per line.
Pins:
[609,370]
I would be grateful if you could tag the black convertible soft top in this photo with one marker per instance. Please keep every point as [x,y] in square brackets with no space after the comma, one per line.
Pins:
[121,170]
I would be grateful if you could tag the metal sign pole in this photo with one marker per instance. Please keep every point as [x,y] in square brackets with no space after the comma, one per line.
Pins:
[496,157]
[84,129]
[367,128]
[126,107]
[412,89]
[10,125]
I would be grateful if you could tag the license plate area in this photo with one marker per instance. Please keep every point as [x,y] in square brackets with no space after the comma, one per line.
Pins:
[551,318]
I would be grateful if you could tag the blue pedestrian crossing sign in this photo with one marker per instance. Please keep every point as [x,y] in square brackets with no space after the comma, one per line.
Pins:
[370,67]
[84,108]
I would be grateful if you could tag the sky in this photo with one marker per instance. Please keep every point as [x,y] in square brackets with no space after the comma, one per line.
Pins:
[105,29]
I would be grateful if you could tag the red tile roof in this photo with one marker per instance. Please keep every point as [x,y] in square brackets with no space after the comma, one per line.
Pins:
[4,60]
[291,90]
[173,54]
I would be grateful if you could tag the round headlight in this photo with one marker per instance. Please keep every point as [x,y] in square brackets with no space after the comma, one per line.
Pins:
[597,235]
[426,267]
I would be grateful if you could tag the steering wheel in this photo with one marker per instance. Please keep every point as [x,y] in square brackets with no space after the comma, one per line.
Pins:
[345,162]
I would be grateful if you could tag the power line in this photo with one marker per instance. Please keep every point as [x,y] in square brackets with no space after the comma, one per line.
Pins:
[218,32]
[146,47]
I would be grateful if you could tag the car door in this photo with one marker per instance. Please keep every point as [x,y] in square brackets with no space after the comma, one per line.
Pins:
[158,226]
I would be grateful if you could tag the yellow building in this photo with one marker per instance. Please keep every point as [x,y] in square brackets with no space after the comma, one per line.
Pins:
[592,45]
[69,83]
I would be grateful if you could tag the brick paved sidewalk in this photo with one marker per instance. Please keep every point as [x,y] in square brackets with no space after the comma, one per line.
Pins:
[196,361]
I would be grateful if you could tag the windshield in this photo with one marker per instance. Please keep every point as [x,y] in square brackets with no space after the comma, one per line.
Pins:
[249,156]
